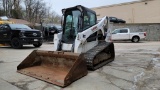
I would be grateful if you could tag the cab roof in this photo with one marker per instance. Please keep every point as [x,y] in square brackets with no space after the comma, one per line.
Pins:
[79,7]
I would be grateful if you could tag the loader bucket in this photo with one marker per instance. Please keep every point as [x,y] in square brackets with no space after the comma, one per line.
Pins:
[59,68]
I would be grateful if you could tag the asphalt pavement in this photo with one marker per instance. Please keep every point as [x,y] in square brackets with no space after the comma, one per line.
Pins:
[136,67]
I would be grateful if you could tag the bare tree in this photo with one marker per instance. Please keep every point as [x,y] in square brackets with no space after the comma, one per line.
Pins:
[34,11]
[10,7]
[1,7]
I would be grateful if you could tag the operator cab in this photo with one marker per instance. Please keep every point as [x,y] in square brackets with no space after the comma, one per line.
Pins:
[76,19]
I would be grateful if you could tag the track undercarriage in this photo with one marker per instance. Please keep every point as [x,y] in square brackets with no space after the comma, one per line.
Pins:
[100,55]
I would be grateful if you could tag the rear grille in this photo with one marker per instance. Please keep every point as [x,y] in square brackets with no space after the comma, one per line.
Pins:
[32,34]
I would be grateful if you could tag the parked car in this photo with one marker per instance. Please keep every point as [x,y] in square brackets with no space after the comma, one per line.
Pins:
[49,31]
[113,19]
[5,20]
[18,35]
[59,27]
[121,21]
[125,34]
[116,20]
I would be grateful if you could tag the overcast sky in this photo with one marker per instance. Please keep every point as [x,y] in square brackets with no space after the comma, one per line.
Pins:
[57,5]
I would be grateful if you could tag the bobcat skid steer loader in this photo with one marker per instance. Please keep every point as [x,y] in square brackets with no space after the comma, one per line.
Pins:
[82,44]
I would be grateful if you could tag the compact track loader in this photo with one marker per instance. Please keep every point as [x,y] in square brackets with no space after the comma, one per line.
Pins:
[83,44]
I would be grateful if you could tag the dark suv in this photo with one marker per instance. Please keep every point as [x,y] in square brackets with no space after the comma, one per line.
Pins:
[49,32]
[18,35]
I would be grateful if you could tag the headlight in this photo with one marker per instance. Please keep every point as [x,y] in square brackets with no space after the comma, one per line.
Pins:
[41,34]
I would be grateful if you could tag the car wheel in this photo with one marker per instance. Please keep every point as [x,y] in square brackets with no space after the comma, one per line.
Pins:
[135,39]
[16,43]
[37,44]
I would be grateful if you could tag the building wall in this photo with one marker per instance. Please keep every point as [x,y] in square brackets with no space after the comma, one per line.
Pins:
[146,11]
[152,29]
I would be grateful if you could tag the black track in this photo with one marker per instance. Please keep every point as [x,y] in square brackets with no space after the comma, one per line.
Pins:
[91,54]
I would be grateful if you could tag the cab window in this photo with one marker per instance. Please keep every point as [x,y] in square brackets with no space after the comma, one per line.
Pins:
[89,20]
[123,31]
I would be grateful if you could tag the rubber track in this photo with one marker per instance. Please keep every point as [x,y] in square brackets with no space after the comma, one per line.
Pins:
[89,56]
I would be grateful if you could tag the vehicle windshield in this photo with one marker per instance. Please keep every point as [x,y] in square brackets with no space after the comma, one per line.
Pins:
[59,27]
[71,25]
[74,23]
[19,26]
[116,31]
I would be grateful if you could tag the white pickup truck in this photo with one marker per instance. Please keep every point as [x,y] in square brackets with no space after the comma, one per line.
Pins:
[125,34]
